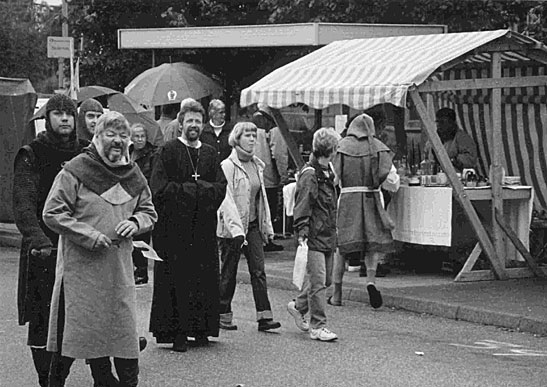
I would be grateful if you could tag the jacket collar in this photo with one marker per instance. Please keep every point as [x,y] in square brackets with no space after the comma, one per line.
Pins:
[234,159]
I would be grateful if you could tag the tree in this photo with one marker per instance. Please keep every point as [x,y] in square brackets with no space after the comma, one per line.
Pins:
[24,27]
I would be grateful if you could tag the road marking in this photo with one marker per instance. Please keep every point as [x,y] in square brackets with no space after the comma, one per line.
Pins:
[513,349]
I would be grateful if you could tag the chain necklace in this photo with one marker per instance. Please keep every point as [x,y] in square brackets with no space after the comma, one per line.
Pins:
[194,168]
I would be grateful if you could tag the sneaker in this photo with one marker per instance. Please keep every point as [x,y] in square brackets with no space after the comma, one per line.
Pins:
[322,334]
[299,318]
[353,269]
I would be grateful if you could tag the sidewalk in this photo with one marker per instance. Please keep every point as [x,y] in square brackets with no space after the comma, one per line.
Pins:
[514,304]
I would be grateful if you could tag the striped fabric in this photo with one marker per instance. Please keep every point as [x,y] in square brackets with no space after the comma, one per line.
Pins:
[524,125]
[361,73]
[364,72]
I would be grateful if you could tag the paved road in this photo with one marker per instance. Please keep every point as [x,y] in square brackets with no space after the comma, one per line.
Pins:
[376,348]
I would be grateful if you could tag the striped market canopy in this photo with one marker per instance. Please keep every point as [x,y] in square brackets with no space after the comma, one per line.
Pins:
[365,72]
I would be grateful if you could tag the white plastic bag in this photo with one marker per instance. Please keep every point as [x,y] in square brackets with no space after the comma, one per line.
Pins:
[300,263]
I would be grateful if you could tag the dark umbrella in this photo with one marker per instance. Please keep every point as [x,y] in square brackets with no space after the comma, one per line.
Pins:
[84,93]
[135,113]
[171,83]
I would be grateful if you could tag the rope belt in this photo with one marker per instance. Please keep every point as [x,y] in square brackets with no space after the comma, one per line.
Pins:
[359,189]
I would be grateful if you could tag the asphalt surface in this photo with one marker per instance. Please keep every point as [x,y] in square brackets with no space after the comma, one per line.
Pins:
[386,347]
[519,305]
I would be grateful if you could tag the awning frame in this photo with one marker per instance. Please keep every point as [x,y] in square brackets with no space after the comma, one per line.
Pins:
[492,244]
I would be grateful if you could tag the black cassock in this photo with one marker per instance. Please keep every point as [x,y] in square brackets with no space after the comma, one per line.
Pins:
[186,284]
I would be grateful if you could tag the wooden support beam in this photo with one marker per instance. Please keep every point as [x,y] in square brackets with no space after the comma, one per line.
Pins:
[482,83]
[470,262]
[488,275]
[289,139]
[496,167]
[459,192]
[519,245]
[400,132]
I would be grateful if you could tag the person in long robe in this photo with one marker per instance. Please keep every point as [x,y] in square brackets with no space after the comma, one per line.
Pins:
[363,165]
[188,187]
[35,167]
[97,203]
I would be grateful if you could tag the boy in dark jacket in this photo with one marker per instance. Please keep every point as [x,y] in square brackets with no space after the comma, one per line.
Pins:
[315,224]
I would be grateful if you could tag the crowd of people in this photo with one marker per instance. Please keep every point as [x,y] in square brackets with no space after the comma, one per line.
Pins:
[91,184]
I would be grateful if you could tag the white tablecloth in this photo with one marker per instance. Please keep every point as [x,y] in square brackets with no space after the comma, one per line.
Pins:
[422,215]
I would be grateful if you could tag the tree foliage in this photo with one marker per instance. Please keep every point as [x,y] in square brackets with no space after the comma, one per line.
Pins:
[94,25]
[23,31]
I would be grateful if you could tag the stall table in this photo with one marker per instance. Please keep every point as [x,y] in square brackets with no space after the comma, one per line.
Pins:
[423,215]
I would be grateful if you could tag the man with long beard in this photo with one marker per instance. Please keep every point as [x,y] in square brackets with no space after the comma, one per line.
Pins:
[188,186]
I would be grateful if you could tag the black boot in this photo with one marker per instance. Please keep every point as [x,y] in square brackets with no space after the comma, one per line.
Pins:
[101,370]
[42,360]
[59,370]
[128,371]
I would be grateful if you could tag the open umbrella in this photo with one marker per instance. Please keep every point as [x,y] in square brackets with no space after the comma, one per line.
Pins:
[84,93]
[135,113]
[171,83]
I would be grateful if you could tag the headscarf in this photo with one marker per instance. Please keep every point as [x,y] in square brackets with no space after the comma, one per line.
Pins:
[89,105]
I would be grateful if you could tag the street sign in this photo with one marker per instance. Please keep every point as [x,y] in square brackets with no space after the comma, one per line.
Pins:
[59,47]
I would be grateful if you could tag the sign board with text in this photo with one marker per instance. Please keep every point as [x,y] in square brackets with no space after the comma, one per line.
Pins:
[59,46]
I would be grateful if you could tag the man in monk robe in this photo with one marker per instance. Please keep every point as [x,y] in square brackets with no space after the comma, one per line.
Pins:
[187,186]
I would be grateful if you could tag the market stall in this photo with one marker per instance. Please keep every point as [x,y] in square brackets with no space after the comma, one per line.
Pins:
[361,73]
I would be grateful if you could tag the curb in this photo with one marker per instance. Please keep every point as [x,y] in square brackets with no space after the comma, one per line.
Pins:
[419,305]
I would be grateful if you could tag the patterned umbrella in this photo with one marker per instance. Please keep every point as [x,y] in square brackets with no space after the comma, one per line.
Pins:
[171,83]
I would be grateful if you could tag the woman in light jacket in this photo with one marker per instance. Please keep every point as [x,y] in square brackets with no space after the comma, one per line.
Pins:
[244,224]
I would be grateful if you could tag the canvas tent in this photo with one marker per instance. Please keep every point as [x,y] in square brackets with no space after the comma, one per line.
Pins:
[17,101]
[511,132]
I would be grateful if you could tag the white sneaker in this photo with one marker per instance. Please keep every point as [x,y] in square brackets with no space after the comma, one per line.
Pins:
[299,318]
[353,269]
[322,334]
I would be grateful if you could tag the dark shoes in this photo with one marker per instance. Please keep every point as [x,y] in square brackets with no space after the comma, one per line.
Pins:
[273,247]
[142,343]
[333,302]
[374,296]
[267,324]
[228,326]
[201,341]
[141,280]
[180,344]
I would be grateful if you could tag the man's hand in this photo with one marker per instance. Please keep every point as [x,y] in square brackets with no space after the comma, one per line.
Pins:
[102,242]
[301,240]
[43,252]
[126,228]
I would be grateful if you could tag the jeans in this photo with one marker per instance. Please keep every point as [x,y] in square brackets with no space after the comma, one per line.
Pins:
[312,298]
[230,254]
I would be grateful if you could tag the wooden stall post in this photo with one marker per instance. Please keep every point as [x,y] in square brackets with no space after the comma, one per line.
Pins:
[289,139]
[496,167]
[461,196]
